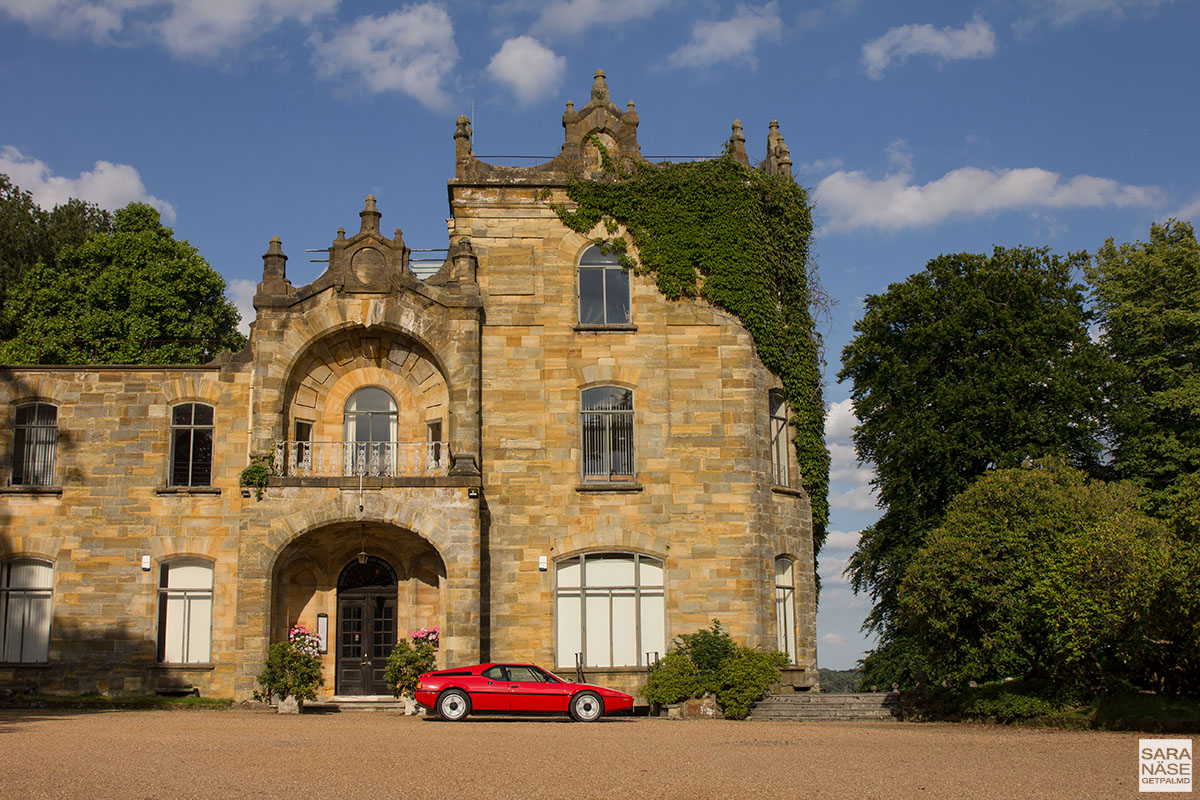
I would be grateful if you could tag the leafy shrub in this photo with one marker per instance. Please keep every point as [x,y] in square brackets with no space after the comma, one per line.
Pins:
[1008,706]
[709,662]
[406,663]
[744,676]
[293,668]
[673,679]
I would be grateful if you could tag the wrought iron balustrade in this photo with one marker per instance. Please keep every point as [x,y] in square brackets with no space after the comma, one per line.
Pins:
[368,459]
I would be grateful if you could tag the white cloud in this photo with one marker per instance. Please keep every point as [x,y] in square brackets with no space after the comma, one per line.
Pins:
[852,200]
[572,17]
[976,39]
[241,292]
[850,483]
[834,597]
[833,639]
[186,28]
[731,40]
[840,540]
[108,185]
[530,70]
[830,569]
[410,51]
[1062,12]
[1191,211]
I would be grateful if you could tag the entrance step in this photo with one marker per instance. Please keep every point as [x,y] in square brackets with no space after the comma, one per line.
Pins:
[357,702]
[815,706]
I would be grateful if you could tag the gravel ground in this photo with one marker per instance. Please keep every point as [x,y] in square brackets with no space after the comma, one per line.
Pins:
[245,754]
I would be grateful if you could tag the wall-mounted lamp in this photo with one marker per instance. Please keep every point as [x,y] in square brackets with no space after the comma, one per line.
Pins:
[362,552]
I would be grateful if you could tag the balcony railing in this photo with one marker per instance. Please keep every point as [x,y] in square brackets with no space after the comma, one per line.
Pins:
[366,459]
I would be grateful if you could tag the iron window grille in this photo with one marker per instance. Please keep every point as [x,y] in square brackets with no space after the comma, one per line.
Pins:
[35,445]
[606,420]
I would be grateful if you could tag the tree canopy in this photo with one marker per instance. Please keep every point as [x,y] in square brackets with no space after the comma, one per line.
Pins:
[1038,572]
[29,233]
[1148,296]
[132,295]
[978,362]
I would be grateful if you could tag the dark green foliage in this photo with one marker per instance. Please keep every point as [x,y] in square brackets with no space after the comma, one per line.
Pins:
[29,234]
[405,664]
[1037,572]
[738,238]
[898,658]
[977,362]
[1148,295]
[257,475]
[709,662]
[674,679]
[290,671]
[136,295]
[837,681]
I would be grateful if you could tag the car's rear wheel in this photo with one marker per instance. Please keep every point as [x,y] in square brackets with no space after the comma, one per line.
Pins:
[453,705]
[587,707]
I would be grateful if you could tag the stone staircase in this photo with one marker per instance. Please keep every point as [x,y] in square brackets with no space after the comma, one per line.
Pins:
[817,707]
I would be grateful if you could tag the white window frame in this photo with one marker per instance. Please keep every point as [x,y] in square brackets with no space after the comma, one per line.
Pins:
[572,616]
[371,457]
[181,626]
[35,446]
[26,611]
[785,607]
[779,414]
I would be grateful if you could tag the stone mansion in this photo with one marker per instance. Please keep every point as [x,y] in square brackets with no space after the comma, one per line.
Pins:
[531,448]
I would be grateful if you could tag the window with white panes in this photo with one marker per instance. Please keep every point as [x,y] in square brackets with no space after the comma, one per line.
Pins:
[185,604]
[610,609]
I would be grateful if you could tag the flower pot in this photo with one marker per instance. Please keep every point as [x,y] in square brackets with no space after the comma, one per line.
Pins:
[290,705]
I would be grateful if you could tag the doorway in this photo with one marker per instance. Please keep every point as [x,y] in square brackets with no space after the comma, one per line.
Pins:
[366,632]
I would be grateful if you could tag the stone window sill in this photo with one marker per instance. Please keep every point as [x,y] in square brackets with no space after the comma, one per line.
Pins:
[187,490]
[605,328]
[789,491]
[23,665]
[185,667]
[53,491]
[614,486]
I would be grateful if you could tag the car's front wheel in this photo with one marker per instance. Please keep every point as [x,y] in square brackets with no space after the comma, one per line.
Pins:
[453,705]
[587,707]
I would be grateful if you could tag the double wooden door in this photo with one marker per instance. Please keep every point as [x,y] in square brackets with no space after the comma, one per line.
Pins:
[365,638]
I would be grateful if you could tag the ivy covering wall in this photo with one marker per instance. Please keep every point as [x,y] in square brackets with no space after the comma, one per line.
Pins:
[739,239]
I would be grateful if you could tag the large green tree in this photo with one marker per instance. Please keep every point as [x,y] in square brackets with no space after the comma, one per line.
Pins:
[1148,296]
[29,233]
[1039,572]
[977,362]
[135,295]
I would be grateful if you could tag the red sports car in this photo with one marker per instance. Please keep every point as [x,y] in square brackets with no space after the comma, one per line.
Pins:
[514,689]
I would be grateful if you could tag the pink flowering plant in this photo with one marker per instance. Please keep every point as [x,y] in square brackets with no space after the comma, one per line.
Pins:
[293,668]
[411,657]
[429,635]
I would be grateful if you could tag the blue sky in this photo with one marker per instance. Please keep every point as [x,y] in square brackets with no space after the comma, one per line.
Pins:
[921,128]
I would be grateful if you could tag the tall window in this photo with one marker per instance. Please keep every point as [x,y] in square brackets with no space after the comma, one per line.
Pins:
[185,598]
[603,289]
[785,608]
[25,588]
[35,443]
[606,418]
[191,445]
[611,608]
[370,422]
[779,439]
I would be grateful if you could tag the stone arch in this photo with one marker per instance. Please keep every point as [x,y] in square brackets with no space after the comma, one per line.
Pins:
[193,389]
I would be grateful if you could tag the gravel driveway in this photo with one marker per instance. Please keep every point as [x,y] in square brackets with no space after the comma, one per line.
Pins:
[245,754]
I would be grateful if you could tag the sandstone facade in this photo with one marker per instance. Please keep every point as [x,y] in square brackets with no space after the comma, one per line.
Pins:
[469,496]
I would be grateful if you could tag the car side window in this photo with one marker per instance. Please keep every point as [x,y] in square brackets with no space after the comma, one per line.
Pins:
[494,673]
[525,674]
[547,677]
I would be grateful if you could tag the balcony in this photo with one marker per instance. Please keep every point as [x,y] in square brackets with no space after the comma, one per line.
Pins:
[367,461]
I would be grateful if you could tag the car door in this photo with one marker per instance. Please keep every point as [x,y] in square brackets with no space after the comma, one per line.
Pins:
[489,691]
[530,689]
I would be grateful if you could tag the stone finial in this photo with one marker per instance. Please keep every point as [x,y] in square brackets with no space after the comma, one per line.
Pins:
[370,216]
[570,115]
[398,237]
[630,117]
[737,144]
[274,278]
[779,157]
[599,88]
[341,237]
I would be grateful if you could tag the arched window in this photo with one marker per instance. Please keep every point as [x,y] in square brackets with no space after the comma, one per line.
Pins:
[370,430]
[35,444]
[26,585]
[185,601]
[603,289]
[779,438]
[606,420]
[191,445]
[785,608]
[610,609]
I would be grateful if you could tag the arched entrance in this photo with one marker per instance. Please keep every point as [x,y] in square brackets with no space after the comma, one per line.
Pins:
[366,625]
